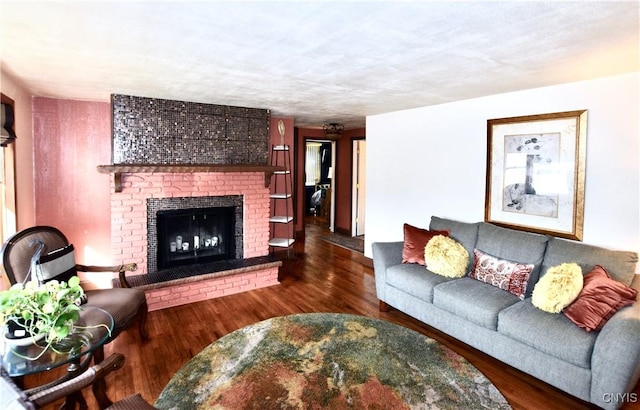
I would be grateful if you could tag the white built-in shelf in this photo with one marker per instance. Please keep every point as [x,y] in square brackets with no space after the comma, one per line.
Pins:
[281,219]
[281,242]
[280,196]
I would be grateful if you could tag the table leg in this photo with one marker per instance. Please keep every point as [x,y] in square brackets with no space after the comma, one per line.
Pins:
[99,386]
[72,399]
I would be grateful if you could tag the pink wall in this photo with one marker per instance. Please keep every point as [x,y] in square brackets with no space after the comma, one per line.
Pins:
[71,138]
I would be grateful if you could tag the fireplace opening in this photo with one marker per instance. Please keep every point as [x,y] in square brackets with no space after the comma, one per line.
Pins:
[194,236]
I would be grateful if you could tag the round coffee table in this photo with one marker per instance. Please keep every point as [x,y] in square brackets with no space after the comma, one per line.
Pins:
[327,360]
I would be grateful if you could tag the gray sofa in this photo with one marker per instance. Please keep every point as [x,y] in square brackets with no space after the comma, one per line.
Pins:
[597,366]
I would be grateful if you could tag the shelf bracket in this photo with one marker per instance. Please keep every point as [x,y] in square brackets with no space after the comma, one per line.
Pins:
[117,181]
[267,178]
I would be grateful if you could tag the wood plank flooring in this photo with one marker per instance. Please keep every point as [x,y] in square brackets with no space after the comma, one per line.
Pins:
[322,277]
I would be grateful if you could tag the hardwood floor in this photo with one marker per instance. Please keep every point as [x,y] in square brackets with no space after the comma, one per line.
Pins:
[321,278]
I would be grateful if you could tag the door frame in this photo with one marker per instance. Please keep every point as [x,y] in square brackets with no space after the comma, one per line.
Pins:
[358,186]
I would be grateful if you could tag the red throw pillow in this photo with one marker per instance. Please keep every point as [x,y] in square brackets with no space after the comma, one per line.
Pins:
[415,240]
[601,297]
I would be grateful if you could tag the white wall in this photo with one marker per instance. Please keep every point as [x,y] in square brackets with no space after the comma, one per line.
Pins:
[432,160]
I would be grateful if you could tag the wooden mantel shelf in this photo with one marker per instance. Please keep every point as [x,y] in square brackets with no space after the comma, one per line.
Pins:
[118,170]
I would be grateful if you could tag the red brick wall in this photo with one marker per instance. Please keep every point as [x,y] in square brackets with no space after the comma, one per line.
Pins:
[129,208]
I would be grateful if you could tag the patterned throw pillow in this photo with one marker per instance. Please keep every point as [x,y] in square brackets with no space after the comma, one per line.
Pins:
[510,276]
[559,286]
[444,256]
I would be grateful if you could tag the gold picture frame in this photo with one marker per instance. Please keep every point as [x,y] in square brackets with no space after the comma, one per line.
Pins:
[536,173]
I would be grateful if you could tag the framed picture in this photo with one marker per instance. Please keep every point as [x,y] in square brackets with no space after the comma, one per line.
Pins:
[536,173]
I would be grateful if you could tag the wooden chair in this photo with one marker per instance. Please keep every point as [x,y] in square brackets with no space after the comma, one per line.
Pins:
[125,304]
[12,397]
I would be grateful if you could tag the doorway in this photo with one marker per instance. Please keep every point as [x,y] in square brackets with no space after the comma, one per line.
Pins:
[319,180]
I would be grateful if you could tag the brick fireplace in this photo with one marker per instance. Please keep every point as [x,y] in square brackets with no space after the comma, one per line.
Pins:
[167,153]
[129,231]
[129,209]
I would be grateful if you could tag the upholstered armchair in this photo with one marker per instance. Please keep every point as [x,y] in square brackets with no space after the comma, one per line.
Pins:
[127,305]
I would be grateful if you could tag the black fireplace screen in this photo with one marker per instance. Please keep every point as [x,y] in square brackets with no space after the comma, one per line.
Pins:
[192,236]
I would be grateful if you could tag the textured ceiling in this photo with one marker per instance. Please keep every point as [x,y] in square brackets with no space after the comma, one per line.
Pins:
[314,61]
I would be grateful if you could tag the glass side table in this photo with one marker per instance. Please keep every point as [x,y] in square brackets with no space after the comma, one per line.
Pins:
[91,332]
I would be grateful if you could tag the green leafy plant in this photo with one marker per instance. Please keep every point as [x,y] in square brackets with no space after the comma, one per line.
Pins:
[49,309]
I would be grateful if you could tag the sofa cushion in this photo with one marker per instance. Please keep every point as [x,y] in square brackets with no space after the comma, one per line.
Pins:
[447,257]
[475,301]
[506,275]
[414,279]
[600,298]
[464,232]
[512,245]
[415,241]
[621,265]
[547,332]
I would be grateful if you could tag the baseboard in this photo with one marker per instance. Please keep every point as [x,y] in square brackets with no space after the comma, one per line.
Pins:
[367,261]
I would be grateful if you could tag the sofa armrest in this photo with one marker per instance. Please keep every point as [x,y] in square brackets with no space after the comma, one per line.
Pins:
[615,363]
[385,254]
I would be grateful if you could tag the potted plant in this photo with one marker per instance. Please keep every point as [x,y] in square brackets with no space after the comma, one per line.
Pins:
[41,311]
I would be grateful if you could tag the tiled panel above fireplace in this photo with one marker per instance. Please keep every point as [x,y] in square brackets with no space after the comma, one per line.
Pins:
[156,131]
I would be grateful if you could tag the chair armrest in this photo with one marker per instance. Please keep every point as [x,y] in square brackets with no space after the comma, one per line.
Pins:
[385,254]
[121,269]
[88,377]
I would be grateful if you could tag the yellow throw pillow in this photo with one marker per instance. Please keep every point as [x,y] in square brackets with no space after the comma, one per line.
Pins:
[560,286]
[446,257]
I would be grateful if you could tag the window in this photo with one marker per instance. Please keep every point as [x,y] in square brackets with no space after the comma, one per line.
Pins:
[7,184]
[313,163]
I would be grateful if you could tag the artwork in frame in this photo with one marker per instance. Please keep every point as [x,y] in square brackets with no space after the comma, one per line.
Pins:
[536,173]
